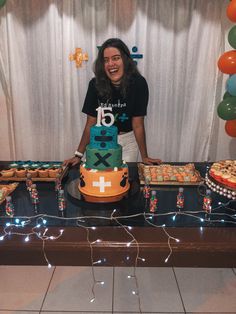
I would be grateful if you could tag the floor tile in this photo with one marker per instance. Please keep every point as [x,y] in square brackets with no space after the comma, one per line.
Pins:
[23,287]
[71,290]
[157,289]
[234,269]
[210,290]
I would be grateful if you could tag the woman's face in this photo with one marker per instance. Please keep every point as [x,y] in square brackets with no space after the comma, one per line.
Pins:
[113,65]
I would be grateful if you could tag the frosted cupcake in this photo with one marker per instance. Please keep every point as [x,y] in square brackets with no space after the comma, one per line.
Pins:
[8,173]
[20,172]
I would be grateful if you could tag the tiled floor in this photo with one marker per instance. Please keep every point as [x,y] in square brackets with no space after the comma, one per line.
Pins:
[64,290]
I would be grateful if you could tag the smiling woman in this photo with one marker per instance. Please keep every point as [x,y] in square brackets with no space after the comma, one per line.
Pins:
[118,85]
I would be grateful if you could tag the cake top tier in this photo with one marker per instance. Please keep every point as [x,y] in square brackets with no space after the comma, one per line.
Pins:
[103,137]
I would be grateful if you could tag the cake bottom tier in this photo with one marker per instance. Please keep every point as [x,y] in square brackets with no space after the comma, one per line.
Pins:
[104,186]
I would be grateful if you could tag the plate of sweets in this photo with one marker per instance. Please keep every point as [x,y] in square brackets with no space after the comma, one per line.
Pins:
[5,190]
[38,171]
[166,174]
[221,178]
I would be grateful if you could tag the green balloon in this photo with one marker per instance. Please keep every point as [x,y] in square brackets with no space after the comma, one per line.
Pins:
[227,95]
[232,37]
[227,109]
[2,3]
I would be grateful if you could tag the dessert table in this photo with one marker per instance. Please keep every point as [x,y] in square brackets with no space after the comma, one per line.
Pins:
[118,234]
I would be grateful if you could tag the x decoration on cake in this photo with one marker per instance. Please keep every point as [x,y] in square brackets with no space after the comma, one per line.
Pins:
[221,178]
[104,176]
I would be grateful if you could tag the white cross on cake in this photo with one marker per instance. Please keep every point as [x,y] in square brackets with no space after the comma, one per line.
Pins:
[101,184]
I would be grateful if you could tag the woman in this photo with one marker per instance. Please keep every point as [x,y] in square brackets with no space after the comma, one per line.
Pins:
[117,84]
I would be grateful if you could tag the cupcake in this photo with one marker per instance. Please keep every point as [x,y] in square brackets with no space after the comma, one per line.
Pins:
[21,172]
[33,172]
[43,173]
[8,173]
[53,172]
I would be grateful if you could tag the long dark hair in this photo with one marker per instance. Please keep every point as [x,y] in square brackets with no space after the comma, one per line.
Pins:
[103,83]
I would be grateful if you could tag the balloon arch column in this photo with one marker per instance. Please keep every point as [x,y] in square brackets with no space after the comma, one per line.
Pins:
[227,64]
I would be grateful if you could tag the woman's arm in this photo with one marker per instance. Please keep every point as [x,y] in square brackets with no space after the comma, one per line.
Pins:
[140,136]
[83,142]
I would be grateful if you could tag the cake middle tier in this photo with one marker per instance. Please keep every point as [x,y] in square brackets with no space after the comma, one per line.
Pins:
[103,158]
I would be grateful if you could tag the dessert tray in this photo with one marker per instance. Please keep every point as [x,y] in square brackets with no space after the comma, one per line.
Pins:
[38,171]
[166,174]
[221,178]
[5,190]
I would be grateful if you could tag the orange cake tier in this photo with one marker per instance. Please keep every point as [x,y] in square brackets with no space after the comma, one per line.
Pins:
[103,185]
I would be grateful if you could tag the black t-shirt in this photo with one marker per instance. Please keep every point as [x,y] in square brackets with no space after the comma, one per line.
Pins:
[123,109]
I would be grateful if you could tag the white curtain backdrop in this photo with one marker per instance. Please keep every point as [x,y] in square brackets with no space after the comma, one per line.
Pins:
[42,92]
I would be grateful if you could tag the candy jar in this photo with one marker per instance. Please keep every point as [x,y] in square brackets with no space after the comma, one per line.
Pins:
[180,199]
[146,189]
[34,197]
[58,186]
[29,181]
[61,203]
[207,201]
[9,207]
[153,202]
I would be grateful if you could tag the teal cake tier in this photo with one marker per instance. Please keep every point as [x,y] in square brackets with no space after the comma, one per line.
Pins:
[103,137]
[101,159]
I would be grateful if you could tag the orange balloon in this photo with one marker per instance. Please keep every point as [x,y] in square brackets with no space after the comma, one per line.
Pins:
[227,62]
[231,11]
[230,127]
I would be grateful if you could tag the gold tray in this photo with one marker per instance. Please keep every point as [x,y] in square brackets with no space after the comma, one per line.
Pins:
[144,171]
[10,188]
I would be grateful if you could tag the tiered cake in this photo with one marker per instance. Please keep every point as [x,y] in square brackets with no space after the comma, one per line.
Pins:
[103,176]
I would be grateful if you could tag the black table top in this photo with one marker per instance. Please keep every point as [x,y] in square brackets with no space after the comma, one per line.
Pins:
[132,210]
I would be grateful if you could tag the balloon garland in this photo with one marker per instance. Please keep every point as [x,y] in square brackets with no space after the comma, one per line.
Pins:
[226,109]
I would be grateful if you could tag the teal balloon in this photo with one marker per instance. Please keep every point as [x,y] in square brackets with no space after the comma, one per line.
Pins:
[227,95]
[2,3]
[231,85]
[232,37]
[227,109]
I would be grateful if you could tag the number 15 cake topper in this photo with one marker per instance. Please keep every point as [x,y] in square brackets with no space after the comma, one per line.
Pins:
[101,117]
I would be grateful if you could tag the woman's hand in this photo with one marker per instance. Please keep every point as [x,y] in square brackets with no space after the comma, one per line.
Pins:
[151,161]
[72,161]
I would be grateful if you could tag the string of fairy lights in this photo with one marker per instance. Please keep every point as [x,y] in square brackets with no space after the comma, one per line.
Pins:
[40,229]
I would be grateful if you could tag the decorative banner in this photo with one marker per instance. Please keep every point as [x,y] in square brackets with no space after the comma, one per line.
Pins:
[231,11]
[230,128]
[2,3]
[78,57]
[227,62]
